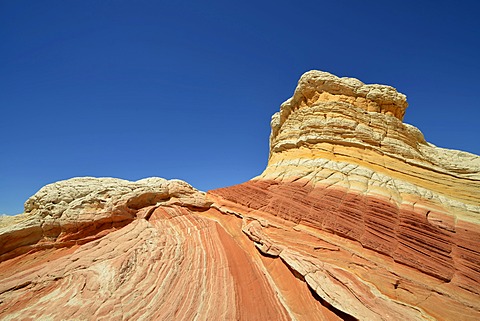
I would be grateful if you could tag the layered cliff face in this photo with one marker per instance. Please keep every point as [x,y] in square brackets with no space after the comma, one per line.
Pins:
[400,216]
[355,217]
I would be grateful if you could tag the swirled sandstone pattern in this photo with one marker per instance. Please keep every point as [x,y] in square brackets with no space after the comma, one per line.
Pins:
[399,216]
[356,217]
[109,249]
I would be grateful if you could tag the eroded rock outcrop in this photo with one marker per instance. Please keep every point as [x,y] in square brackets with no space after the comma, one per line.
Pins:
[110,249]
[356,217]
[345,170]
[83,209]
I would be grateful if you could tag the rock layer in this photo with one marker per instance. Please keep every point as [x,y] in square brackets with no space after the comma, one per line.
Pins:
[164,260]
[83,209]
[356,217]
[344,169]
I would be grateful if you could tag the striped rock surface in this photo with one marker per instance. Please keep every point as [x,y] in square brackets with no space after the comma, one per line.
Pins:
[109,249]
[376,221]
[356,217]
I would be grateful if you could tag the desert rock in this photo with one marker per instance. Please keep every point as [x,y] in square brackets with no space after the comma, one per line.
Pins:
[346,171]
[356,217]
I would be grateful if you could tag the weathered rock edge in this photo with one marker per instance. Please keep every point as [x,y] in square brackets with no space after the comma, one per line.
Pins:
[346,112]
[82,209]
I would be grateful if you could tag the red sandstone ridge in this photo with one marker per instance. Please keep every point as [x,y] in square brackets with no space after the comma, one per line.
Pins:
[356,217]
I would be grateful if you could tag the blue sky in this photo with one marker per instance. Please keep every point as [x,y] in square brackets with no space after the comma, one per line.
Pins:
[186,89]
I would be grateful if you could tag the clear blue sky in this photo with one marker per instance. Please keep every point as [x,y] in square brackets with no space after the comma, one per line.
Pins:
[185,89]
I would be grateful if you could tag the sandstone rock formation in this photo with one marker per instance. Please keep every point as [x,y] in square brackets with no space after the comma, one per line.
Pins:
[400,216]
[356,217]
